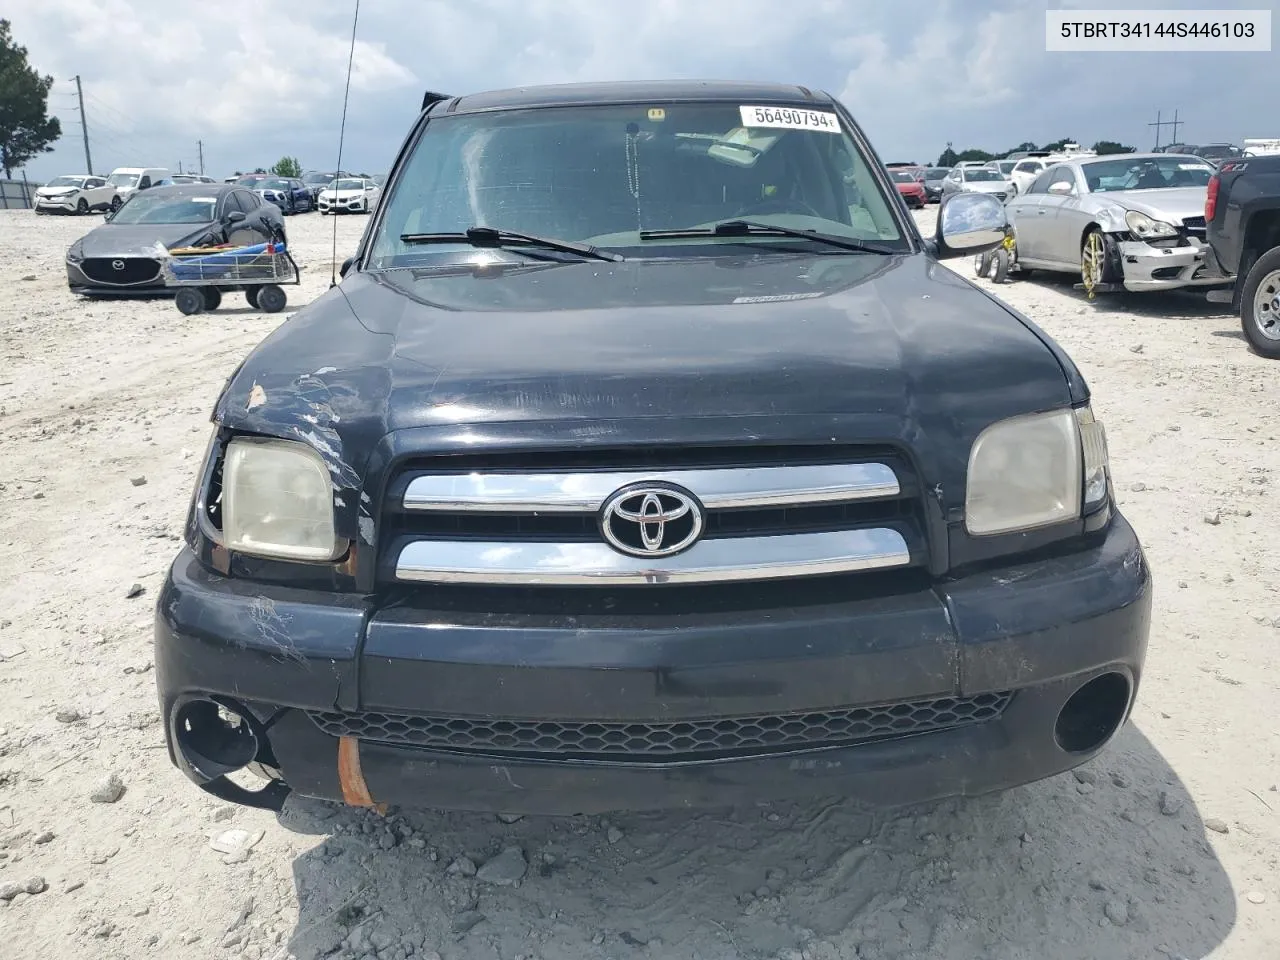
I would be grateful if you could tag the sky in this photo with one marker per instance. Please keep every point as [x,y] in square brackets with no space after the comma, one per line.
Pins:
[256,81]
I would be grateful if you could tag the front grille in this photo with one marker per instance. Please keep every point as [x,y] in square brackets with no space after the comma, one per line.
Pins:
[512,502]
[1195,227]
[133,270]
[667,741]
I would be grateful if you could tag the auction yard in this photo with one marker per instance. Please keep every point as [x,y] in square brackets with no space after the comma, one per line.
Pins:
[1167,846]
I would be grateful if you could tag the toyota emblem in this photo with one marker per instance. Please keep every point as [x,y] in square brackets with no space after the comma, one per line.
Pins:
[651,520]
[117,264]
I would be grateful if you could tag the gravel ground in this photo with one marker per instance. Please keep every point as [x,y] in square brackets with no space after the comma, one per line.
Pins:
[1166,847]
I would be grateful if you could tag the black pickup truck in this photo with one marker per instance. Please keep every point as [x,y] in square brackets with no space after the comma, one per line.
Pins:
[646,456]
[1242,218]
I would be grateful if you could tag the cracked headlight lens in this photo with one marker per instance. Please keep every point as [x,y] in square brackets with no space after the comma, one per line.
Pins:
[277,500]
[1024,472]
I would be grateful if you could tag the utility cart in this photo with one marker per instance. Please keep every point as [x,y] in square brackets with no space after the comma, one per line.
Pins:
[203,274]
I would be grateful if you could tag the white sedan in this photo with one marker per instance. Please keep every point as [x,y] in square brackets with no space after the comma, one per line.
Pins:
[77,193]
[350,194]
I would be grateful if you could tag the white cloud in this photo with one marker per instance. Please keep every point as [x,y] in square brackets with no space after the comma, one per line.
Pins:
[255,81]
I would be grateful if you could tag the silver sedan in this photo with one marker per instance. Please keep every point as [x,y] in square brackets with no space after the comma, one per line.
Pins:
[978,180]
[1132,222]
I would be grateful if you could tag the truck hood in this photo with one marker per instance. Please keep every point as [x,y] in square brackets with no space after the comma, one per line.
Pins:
[785,349]
[1170,204]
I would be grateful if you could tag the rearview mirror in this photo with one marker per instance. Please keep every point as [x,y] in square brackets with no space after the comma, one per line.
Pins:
[235,216]
[969,223]
[346,265]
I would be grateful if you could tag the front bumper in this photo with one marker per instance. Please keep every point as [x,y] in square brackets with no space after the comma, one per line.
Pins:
[83,285]
[1029,635]
[1146,267]
[67,203]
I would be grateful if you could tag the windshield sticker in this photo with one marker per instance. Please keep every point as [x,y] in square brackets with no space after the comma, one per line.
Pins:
[1193,166]
[204,199]
[657,114]
[790,118]
[777,297]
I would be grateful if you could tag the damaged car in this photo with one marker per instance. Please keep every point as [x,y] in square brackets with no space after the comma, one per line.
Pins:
[122,257]
[1133,222]
[647,456]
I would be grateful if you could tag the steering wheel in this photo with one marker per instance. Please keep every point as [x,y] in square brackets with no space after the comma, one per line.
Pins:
[780,205]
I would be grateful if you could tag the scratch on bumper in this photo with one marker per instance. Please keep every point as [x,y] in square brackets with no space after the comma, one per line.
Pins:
[1140,261]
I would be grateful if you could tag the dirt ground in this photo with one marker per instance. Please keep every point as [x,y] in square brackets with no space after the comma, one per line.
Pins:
[1166,847]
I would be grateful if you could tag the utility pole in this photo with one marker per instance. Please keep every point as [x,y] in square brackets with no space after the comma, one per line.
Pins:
[84,129]
[200,147]
[1175,123]
[1157,125]
[179,166]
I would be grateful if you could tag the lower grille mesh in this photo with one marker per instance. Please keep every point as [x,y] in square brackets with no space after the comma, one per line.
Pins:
[667,740]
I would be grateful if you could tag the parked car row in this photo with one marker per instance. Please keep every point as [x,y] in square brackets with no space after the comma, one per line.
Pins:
[82,193]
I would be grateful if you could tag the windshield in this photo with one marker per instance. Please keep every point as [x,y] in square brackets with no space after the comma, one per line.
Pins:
[65,182]
[901,176]
[123,179]
[1147,173]
[321,178]
[252,180]
[936,173]
[1006,166]
[149,207]
[347,185]
[977,174]
[603,174]
[272,185]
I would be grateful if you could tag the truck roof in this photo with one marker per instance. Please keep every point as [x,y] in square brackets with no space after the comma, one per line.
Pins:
[634,91]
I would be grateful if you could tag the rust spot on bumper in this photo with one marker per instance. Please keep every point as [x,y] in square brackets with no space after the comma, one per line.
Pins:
[355,792]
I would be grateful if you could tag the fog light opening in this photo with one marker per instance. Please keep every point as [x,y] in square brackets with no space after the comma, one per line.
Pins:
[215,738]
[1093,713]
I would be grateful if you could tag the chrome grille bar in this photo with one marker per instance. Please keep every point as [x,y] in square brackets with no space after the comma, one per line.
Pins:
[718,489]
[708,561]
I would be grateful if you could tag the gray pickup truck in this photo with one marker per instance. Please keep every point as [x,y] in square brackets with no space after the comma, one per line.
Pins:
[1242,221]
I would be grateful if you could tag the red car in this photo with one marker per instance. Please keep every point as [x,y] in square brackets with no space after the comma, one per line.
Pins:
[911,188]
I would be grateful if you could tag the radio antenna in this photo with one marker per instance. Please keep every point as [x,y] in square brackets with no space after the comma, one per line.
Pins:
[342,131]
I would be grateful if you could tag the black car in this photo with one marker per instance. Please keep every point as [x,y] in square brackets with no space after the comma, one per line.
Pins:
[290,194]
[647,457]
[1242,226]
[122,257]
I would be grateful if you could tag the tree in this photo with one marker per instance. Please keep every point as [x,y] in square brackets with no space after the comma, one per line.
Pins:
[975,154]
[26,129]
[948,157]
[287,167]
[1104,147]
[1058,144]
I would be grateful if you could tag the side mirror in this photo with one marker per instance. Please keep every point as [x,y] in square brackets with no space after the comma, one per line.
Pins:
[346,265]
[1060,187]
[969,223]
[235,216]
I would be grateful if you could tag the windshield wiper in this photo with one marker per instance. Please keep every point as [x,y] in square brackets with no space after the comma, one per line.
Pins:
[491,237]
[749,228]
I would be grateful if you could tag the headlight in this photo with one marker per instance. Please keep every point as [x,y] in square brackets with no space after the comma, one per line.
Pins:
[1097,466]
[277,500]
[1145,228]
[76,253]
[1023,473]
